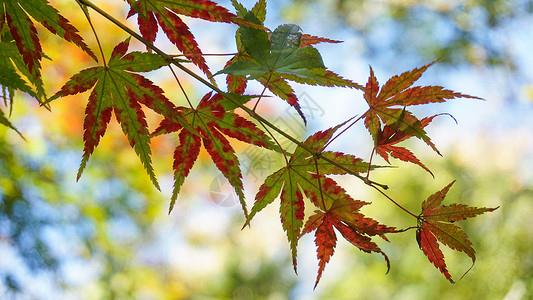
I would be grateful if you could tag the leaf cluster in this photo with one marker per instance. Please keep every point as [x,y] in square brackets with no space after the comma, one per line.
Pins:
[272,58]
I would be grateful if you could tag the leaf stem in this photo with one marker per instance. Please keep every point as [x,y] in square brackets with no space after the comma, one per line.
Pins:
[262,93]
[277,143]
[406,229]
[370,162]
[348,127]
[126,29]
[318,177]
[86,13]
[181,86]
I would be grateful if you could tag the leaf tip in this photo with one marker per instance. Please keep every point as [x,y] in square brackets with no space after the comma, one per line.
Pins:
[246,224]
[388,262]
[82,167]
[451,280]
[172,203]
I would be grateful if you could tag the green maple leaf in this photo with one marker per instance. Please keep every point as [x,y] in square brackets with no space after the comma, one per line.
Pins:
[11,63]
[12,66]
[118,89]
[436,224]
[303,176]
[5,121]
[212,119]
[274,59]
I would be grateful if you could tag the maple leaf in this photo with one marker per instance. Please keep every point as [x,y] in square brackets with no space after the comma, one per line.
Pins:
[12,64]
[308,40]
[236,84]
[212,120]
[165,13]
[281,54]
[388,137]
[303,175]
[117,88]
[397,92]
[5,121]
[10,80]
[340,211]
[274,58]
[435,223]
[259,10]
[25,35]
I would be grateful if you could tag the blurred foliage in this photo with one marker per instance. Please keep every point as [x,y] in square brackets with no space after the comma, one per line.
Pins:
[21,212]
[457,32]
[49,224]
[103,236]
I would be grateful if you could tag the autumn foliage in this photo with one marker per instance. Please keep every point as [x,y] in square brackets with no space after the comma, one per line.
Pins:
[274,58]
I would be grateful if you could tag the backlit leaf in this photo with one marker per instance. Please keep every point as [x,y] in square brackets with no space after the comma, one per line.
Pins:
[435,225]
[11,63]
[151,13]
[23,31]
[304,175]
[274,58]
[116,88]
[308,40]
[338,210]
[212,121]
[5,121]
[387,106]
[388,137]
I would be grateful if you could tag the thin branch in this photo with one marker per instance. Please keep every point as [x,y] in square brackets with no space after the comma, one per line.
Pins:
[205,54]
[392,200]
[340,133]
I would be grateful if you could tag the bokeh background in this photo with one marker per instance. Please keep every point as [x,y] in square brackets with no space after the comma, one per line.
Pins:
[109,236]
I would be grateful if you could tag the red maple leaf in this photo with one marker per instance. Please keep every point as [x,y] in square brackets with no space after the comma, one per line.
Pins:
[304,175]
[338,210]
[166,14]
[25,35]
[236,84]
[210,122]
[435,224]
[308,40]
[388,137]
[387,105]
[118,89]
